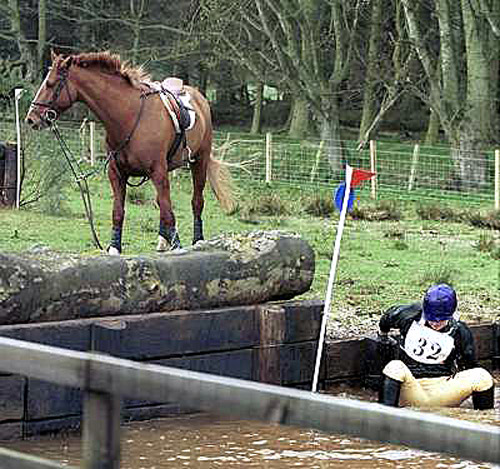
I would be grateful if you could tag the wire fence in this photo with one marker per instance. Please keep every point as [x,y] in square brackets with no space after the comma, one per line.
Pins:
[404,171]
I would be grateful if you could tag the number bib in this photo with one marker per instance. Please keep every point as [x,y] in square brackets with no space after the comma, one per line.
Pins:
[426,345]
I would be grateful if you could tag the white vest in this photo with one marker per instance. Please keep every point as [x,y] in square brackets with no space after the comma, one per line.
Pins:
[426,345]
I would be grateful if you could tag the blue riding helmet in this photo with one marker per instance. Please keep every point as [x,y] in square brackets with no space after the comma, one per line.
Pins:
[440,302]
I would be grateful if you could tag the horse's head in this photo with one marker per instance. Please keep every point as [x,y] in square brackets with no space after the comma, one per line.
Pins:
[55,95]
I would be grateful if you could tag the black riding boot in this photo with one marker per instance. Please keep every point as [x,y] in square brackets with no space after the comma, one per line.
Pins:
[484,400]
[389,392]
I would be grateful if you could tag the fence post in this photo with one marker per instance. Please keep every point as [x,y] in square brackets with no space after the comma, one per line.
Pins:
[92,146]
[373,167]
[101,431]
[497,179]
[17,95]
[414,161]
[11,175]
[269,157]
[314,169]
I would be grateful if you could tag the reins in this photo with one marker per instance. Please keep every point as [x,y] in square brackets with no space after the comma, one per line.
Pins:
[114,153]
[80,179]
[50,116]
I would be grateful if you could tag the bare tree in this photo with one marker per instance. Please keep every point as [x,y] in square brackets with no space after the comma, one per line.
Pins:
[460,75]
[303,46]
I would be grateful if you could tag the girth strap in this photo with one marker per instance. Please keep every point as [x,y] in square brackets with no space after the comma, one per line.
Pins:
[180,119]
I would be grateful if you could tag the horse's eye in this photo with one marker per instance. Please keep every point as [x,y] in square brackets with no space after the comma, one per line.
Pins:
[50,83]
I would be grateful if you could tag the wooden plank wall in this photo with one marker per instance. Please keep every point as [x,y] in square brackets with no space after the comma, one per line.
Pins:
[272,343]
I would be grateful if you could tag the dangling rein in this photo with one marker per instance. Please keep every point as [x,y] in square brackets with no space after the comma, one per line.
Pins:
[81,180]
[81,177]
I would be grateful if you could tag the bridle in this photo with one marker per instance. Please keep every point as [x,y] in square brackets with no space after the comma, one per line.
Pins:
[51,114]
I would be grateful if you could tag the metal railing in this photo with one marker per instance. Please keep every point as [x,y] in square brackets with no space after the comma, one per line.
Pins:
[105,380]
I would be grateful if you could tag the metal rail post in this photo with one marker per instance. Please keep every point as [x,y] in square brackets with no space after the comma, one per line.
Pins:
[101,431]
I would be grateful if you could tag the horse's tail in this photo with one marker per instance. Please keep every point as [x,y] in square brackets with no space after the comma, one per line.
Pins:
[221,183]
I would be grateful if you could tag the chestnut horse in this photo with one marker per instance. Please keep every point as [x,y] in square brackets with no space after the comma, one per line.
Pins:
[139,134]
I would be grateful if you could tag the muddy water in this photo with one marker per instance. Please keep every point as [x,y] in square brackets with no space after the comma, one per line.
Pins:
[203,441]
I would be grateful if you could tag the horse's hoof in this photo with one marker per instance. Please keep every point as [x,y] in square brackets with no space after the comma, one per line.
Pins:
[162,245]
[176,251]
[112,251]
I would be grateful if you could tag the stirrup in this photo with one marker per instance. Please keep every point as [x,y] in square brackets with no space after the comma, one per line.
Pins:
[190,157]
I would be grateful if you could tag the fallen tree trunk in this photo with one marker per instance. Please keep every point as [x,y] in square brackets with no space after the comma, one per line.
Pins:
[226,271]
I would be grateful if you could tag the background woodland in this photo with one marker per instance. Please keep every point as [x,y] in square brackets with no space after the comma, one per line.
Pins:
[337,69]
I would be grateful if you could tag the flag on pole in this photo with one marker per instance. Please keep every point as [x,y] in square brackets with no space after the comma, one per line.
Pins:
[358,176]
[343,194]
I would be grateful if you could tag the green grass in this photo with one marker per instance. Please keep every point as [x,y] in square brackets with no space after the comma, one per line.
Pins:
[381,262]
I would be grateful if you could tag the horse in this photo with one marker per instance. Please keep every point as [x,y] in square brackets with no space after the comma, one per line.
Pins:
[141,135]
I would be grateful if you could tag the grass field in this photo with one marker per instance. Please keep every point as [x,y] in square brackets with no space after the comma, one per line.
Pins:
[389,254]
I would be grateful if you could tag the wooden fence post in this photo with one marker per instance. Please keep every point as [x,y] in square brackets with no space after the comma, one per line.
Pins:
[101,431]
[414,162]
[17,95]
[497,179]
[373,167]
[314,169]
[269,157]
[11,172]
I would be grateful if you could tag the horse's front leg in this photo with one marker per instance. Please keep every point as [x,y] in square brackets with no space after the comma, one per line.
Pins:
[168,237]
[119,188]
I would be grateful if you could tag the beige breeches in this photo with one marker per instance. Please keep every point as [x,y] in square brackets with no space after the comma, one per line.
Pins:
[446,391]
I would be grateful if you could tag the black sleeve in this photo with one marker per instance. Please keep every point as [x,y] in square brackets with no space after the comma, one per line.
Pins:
[396,316]
[466,349]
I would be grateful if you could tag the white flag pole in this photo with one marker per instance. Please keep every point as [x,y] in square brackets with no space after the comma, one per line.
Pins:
[17,95]
[331,280]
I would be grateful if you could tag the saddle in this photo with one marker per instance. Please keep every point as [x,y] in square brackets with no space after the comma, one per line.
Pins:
[176,101]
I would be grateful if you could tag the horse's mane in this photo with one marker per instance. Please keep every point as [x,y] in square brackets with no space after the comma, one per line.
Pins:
[112,63]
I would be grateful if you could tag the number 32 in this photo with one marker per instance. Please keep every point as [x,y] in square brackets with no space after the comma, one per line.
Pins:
[430,349]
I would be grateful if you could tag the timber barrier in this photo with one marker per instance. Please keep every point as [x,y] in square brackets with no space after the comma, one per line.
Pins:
[272,343]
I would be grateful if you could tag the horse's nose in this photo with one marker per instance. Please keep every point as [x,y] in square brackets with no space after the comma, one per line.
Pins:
[32,122]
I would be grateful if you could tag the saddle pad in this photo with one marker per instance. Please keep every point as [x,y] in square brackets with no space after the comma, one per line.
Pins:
[183,97]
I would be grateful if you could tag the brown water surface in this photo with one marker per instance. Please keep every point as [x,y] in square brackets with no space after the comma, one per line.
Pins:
[204,441]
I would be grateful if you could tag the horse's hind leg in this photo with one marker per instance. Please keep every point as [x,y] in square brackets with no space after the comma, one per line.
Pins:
[168,238]
[199,175]
[119,188]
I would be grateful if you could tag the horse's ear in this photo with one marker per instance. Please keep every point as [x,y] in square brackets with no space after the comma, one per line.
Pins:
[67,62]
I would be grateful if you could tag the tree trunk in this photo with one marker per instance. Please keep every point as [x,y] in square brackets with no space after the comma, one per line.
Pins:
[433,126]
[136,13]
[475,129]
[42,35]
[330,134]
[470,163]
[25,52]
[257,108]
[478,108]
[494,81]
[225,271]
[370,104]
[300,119]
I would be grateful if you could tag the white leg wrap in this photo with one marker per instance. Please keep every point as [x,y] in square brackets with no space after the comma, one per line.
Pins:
[162,245]
[112,251]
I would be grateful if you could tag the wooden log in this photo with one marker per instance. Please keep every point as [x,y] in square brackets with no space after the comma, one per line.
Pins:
[226,271]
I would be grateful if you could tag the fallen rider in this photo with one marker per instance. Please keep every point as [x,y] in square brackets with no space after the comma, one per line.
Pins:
[438,364]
